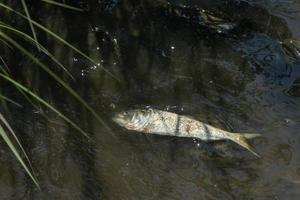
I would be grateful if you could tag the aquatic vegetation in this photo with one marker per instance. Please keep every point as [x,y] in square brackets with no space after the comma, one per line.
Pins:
[63,5]
[8,33]
[13,148]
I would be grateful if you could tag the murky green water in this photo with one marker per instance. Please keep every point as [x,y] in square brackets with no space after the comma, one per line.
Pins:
[241,80]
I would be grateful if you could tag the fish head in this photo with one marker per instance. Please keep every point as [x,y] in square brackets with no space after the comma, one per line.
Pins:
[132,119]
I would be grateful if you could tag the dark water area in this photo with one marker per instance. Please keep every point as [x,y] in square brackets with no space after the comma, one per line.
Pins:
[232,64]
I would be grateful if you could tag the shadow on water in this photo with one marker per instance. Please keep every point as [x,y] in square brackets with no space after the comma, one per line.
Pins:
[225,66]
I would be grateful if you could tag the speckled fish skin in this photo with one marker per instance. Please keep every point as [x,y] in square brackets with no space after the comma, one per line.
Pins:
[160,122]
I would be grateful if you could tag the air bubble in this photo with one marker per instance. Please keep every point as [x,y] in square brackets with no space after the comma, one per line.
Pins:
[96,29]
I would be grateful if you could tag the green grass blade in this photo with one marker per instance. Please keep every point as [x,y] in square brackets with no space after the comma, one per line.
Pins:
[42,48]
[4,63]
[30,22]
[42,101]
[10,100]
[5,43]
[24,94]
[16,138]
[54,76]
[48,31]
[15,152]
[63,5]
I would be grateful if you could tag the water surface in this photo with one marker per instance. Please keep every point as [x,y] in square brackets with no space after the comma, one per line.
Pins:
[241,79]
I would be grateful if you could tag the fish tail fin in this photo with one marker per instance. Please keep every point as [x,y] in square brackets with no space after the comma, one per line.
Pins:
[242,140]
[250,135]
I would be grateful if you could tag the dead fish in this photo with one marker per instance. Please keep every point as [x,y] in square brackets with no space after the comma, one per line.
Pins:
[160,122]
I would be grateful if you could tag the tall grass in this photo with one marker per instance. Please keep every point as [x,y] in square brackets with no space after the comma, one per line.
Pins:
[30,23]
[57,37]
[63,5]
[8,33]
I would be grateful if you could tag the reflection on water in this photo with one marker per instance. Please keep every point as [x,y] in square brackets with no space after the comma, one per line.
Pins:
[169,57]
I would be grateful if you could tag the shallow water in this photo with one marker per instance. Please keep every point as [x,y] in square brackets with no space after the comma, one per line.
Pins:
[242,80]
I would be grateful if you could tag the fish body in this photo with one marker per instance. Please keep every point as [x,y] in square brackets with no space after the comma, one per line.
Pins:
[160,122]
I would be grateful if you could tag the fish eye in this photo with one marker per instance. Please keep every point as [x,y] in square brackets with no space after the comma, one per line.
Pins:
[125,113]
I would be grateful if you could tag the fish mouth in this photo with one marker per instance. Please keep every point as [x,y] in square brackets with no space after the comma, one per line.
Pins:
[119,119]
